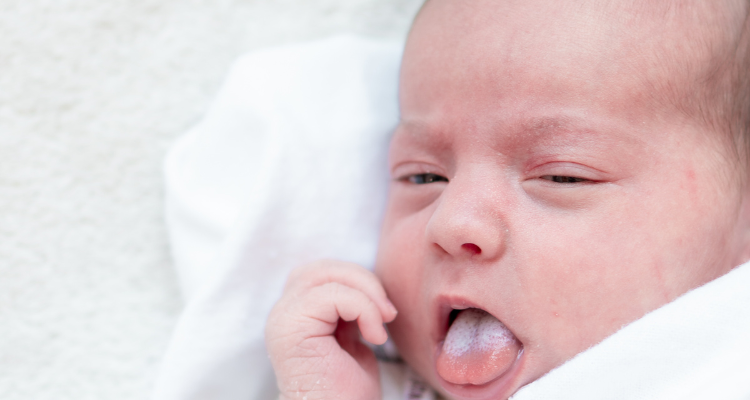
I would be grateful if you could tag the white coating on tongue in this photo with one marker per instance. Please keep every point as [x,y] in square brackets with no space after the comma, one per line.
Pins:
[475,330]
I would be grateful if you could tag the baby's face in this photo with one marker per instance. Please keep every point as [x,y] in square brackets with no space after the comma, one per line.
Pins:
[536,178]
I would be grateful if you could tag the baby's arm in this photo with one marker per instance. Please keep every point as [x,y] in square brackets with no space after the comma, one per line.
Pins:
[316,356]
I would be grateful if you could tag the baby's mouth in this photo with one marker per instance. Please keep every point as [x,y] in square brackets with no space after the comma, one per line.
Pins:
[477,349]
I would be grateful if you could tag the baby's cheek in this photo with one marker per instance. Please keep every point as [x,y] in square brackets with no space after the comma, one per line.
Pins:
[400,271]
[401,286]
[400,261]
[574,295]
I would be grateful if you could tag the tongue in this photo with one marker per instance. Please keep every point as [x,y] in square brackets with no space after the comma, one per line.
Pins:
[477,349]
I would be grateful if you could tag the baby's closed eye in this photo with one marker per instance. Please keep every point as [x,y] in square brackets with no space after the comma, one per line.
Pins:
[421,179]
[564,179]
[566,174]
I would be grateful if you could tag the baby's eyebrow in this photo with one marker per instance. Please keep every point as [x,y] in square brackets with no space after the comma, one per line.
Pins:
[545,123]
[568,126]
[541,125]
[549,124]
[606,134]
[412,127]
[416,132]
[547,129]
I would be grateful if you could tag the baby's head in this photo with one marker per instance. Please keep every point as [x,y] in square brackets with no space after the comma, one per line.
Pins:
[566,167]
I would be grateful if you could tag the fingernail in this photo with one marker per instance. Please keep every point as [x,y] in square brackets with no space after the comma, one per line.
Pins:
[391,306]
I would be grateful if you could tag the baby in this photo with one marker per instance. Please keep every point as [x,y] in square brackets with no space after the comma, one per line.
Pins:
[561,168]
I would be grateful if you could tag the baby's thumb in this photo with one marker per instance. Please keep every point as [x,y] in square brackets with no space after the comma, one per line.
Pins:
[347,335]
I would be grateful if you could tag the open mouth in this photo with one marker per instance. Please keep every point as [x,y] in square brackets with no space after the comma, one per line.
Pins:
[477,349]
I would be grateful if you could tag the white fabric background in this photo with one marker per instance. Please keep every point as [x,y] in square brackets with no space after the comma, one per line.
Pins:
[92,94]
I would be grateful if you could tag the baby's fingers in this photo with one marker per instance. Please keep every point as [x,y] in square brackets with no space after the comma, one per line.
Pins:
[349,274]
[332,301]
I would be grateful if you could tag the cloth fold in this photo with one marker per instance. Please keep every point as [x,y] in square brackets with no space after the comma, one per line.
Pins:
[287,167]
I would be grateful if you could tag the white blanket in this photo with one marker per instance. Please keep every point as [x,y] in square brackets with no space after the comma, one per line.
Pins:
[289,166]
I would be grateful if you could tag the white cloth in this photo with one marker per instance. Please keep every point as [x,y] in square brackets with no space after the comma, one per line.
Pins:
[288,166]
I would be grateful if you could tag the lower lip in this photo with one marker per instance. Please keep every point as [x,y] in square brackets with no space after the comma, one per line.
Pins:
[497,388]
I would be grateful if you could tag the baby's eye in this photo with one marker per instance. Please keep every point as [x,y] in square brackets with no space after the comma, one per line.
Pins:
[564,179]
[421,179]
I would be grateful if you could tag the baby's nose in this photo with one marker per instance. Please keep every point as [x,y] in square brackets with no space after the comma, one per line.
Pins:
[467,222]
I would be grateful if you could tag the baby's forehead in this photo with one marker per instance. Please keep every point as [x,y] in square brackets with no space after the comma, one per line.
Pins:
[658,54]
[652,35]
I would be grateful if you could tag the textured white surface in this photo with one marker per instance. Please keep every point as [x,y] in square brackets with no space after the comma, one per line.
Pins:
[91,95]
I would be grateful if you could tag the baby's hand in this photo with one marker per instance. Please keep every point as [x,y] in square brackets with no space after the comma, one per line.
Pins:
[312,337]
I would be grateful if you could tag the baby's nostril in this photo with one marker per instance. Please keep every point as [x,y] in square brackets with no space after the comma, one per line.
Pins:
[472,248]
